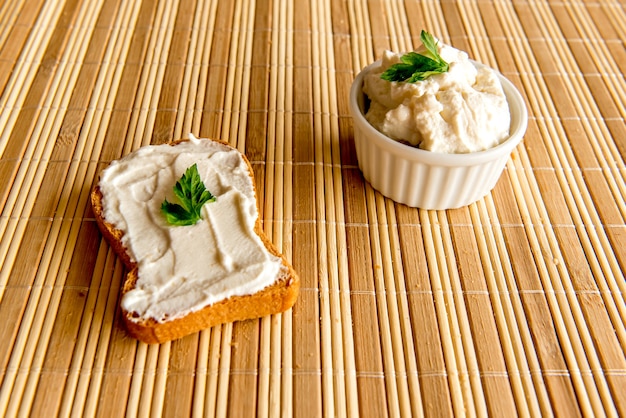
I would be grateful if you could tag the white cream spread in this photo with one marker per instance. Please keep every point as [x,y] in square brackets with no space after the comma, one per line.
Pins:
[186,268]
[462,110]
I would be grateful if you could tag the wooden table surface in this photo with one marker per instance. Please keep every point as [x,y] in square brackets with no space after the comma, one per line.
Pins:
[513,305]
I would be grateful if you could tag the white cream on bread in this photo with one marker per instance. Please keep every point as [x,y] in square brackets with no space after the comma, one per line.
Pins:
[182,269]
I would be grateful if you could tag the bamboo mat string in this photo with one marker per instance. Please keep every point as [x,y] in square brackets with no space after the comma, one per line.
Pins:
[243,82]
[388,353]
[158,396]
[224,356]
[210,399]
[590,116]
[151,75]
[608,69]
[554,298]
[491,265]
[581,217]
[147,371]
[87,395]
[435,21]
[102,104]
[24,353]
[230,78]
[287,382]
[269,353]
[523,345]
[460,331]
[156,84]
[389,295]
[399,34]
[238,77]
[408,335]
[196,101]
[202,375]
[473,392]
[9,13]
[25,70]
[607,270]
[278,174]
[83,356]
[360,35]
[474,24]
[333,349]
[342,273]
[563,305]
[577,358]
[436,269]
[136,382]
[608,158]
[11,227]
[614,11]
[108,81]
[190,94]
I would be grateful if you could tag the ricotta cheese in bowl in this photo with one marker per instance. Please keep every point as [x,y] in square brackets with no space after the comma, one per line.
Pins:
[438,143]
[459,111]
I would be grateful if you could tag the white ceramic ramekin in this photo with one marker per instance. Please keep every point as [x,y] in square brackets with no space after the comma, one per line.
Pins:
[425,179]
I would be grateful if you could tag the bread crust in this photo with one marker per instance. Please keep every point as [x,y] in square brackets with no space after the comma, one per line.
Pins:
[273,299]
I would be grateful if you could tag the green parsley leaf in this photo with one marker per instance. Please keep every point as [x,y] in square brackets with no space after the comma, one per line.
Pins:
[416,67]
[192,194]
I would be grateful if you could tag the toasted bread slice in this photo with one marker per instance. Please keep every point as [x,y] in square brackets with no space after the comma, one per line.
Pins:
[277,296]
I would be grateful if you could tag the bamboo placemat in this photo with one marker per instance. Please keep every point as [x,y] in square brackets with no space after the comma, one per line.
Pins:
[513,305]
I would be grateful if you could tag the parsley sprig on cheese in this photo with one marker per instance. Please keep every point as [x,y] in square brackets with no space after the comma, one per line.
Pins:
[416,67]
[192,194]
